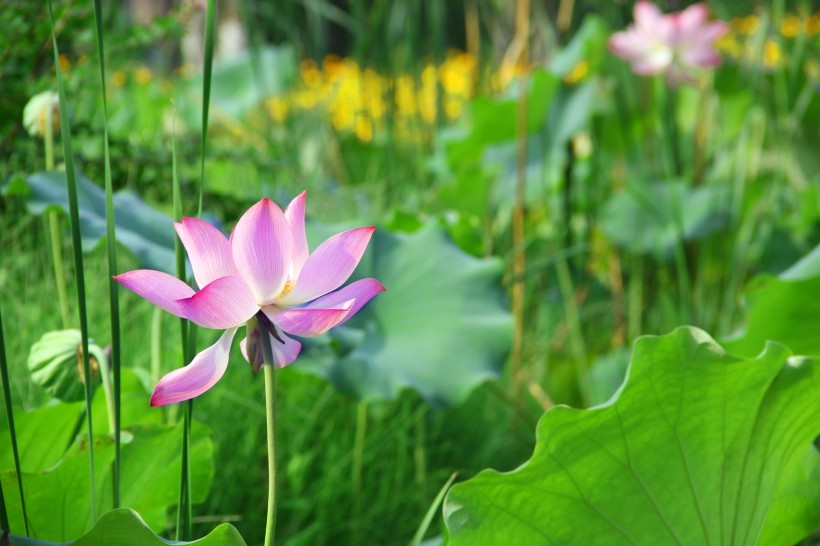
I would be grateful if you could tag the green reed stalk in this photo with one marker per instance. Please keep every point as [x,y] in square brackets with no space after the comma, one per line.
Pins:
[111,248]
[74,215]
[4,375]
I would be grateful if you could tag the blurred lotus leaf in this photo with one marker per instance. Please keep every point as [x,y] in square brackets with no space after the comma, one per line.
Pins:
[441,328]
[653,218]
[148,234]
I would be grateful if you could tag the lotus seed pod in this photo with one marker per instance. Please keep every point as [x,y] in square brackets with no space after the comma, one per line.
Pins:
[56,364]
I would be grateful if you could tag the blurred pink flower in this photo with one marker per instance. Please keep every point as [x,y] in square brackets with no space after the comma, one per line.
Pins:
[263,272]
[675,45]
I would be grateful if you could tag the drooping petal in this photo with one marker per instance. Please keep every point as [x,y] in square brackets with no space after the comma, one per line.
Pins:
[261,246]
[329,266]
[283,353]
[198,376]
[295,214]
[361,292]
[208,250]
[225,303]
[161,289]
[311,322]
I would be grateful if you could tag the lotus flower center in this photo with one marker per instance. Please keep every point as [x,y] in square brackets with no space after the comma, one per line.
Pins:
[287,289]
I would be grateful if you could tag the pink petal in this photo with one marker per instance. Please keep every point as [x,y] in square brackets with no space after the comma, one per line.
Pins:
[198,376]
[690,20]
[208,250]
[295,215]
[361,292]
[701,56]
[329,266]
[283,354]
[261,245]
[225,303]
[310,322]
[647,15]
[627,44]
[712,32]
[161,289]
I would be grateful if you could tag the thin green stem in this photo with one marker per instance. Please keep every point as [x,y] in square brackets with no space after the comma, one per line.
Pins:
[54,228]
[576,334]
[206,91]
[55,238]
[4,375]
[109,397]
[156,345]
[79,272]
[270,415]
[111,247]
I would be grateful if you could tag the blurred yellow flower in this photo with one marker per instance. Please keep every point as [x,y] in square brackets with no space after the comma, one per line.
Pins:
[118,78]
[772,53]
[143,75]
[578,72]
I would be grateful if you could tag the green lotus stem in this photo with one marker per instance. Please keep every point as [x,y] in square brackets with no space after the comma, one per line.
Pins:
[156,350]
[4,376]
[54,229]
[270,416]
[109,397]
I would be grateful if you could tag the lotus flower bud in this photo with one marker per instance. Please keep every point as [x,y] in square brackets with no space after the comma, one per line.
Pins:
[36,113]
[56,364]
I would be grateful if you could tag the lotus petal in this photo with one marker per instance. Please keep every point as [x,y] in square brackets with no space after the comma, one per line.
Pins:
[198,376]
[208,250]
[161,289]
[329,266]
[225,303]
[261,245]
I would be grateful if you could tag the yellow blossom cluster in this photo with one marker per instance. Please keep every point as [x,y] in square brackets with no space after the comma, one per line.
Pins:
[364,102]
[740,42]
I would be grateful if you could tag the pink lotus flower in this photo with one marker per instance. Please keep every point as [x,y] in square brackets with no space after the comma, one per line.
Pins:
[264,271]
[676,44]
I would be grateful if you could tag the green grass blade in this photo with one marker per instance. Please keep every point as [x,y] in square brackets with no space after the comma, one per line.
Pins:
[184,512]
[111,247]
[206,91]
[74,215]
[4,375]
[431,512]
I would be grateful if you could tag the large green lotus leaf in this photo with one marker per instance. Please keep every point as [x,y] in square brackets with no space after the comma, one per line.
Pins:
[442,327]
[698,447]
[124,527]
[148,234]
[782,308]
[43,435]
[58,500]
[649,218]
